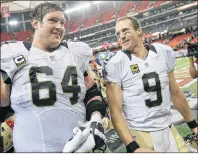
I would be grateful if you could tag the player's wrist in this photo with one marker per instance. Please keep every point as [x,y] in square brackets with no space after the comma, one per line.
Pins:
[96,117]
[192,124]
[132,146]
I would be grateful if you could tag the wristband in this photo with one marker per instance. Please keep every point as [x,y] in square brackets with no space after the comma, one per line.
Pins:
[131,147]
[192,124]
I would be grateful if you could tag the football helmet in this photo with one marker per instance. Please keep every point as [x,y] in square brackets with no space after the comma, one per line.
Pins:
[6,133]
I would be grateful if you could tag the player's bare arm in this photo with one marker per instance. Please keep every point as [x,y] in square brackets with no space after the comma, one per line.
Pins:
[95,109]
[115,104]
[5,93]
[179,100]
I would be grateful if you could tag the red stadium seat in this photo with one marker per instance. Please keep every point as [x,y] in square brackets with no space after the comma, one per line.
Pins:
[158,3]
[74,26]
[143,5]
[108,15]
[194,40]
[125,8]
[178,40]
[91,21]
[23,35]
[5,37]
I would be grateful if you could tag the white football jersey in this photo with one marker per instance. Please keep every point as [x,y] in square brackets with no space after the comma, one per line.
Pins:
[145,86]
[47,93]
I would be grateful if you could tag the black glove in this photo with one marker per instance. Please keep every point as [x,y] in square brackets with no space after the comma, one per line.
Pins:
[99,137]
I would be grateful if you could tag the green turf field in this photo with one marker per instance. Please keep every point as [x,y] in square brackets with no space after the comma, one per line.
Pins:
[181,63]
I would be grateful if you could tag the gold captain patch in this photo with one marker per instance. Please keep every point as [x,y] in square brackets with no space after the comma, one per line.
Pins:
[135,68]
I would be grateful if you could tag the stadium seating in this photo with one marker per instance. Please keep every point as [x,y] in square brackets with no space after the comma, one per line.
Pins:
[158,3]
[107,16]
[125,7]
[5,37]
[142,5]
[194,40]
[74,26]
[178,40]
[91,21]
[22,35]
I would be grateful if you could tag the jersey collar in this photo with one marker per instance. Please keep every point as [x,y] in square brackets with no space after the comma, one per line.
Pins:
[148,47]
[28,45]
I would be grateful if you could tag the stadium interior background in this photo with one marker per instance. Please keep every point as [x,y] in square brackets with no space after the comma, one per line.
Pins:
[170,22]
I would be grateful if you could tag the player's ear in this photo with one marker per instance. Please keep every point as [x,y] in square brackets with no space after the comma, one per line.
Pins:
[139,31]
[35,24]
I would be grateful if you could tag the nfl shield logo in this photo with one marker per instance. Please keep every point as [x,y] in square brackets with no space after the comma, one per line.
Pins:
[146,64]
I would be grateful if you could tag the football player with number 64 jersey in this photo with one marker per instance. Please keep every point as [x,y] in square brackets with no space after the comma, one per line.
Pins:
[49,86]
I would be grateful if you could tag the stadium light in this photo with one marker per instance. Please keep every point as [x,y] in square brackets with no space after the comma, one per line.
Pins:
[86,5]
[96,2]
[14,22]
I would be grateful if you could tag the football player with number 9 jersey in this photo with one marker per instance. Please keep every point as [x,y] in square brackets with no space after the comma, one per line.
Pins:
[47,81]
[140,85]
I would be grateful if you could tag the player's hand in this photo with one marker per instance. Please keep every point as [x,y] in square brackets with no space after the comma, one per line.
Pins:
[79,137]
[106,123]
[195,131]
[97,130]
[87,145]
[143,150]
[98,134]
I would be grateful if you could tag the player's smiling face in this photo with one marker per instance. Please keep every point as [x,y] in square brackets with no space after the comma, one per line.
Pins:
[52,29]
[127,36]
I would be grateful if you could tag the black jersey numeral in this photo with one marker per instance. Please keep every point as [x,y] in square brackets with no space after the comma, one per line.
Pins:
[37,86]
[155,88]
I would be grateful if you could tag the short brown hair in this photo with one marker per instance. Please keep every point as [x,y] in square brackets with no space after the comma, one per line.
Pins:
[42,9]
[135,22]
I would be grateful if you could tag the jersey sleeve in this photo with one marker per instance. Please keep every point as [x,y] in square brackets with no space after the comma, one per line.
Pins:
[168,54]
[82,52]
[111,69]
[88,56]
[7,63]
[170,58]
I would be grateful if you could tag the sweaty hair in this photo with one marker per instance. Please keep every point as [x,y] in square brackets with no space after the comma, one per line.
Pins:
[42,9]
[135,22]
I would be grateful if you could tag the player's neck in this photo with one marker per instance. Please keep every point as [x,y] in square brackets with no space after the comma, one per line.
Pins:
[140,51]
[38,44]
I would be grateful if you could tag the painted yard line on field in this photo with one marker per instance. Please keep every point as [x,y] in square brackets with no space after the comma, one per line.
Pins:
[190,83]
[179,81]
[181,72]
[182,67]
[182,76]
